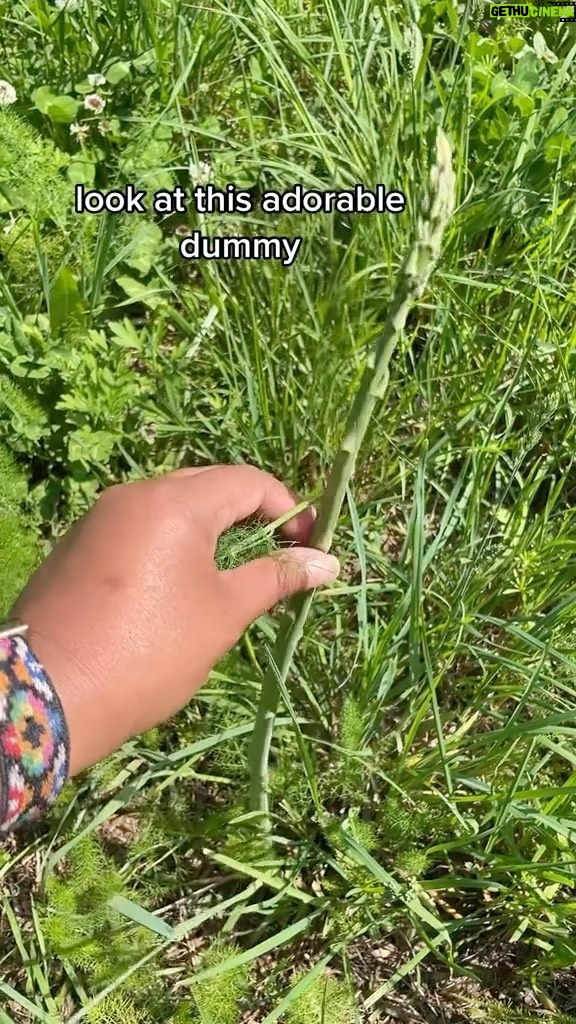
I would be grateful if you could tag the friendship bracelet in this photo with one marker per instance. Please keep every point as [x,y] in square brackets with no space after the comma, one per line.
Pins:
[34,739]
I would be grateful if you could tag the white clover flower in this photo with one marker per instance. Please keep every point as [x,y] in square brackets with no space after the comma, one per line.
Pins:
[97,79]
[7,93]
[104,127]
[93,101]
[79,131]
[67,5]
[200,173]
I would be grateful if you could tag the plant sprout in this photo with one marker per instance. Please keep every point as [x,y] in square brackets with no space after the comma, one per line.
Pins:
[412,281]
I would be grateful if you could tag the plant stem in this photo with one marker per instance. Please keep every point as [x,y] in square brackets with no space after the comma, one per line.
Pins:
[412,281]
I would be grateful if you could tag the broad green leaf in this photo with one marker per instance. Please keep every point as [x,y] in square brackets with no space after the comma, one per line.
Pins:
[145,246]
[42,97]
[139,292]
[65,300]
[116,72]
[62,109]
[82,172]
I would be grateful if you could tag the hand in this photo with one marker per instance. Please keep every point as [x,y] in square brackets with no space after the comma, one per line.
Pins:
[129,614]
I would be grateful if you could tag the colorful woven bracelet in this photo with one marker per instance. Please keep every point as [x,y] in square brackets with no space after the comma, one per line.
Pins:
[34,740]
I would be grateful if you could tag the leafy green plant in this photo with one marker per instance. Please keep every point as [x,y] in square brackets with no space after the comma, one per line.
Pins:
[495,1013]
[325,1001]
[218,1000]
[80,925]
[117,1008]
[351,762]
[41,190]
[422,769]
[19,549]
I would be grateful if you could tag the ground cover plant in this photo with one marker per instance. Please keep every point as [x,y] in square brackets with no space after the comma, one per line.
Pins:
[420,862]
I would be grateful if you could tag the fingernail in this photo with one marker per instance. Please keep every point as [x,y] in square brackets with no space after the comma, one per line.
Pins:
[322,569]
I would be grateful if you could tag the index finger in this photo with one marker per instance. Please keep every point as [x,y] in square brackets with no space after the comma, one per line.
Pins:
[233,493]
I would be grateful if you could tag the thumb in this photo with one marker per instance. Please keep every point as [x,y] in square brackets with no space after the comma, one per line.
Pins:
[259,585]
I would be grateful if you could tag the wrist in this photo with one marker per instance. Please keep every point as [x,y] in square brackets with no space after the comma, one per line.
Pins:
[79,671]
[69,683]
[34,739]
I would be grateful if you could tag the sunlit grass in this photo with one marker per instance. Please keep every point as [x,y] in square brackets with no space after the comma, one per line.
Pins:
[424,761]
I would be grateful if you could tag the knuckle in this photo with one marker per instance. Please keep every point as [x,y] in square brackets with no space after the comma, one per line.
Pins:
[158,503]
[291,575]
[283,575]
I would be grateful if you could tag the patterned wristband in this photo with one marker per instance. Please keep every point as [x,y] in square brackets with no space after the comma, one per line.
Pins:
[34,740]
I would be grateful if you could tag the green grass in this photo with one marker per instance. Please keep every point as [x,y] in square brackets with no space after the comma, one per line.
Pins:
[423,765]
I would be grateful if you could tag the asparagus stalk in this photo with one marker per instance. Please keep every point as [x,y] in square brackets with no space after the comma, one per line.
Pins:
[412,281]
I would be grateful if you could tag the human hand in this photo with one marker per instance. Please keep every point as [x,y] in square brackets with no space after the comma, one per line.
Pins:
[129,613]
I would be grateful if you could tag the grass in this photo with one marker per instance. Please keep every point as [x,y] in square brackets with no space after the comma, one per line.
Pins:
[423,764]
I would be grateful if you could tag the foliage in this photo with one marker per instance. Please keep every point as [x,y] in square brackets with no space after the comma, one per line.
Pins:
[423,764]
[498,1014]
[221,1001]
[19,549]
[79,923]
[325,1001]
